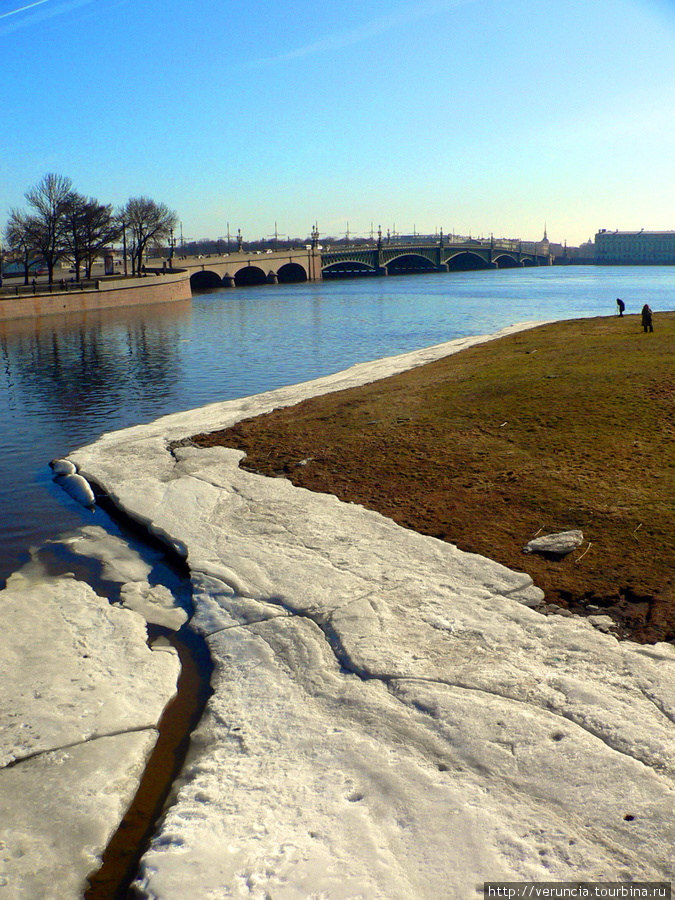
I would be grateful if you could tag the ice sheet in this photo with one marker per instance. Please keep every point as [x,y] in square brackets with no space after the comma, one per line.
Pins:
[58,811]
[390,718]
[81,697]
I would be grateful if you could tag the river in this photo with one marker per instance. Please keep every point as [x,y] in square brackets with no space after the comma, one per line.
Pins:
[65,380]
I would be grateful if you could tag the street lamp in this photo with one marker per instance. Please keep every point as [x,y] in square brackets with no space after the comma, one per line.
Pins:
[172,247]
[124,247]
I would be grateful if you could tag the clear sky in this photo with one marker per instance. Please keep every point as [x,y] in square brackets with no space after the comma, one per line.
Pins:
[475,116]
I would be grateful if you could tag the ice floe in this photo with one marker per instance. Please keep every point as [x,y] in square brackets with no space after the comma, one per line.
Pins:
[78,488]
[121,564]
[82,695]
[391,720]
[63,467]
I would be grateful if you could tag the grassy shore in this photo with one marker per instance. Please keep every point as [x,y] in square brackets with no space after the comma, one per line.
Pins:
[567,426]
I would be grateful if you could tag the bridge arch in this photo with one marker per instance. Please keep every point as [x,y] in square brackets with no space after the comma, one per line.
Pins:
[204,280]
[409,262]
[467,262]
[291,273]
[528,261]
[346,269]
[506,262]
[249,275]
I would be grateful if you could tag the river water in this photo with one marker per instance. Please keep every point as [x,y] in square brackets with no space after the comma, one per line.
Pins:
[65,380]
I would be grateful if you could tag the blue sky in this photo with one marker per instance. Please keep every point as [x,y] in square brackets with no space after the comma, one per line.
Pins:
[475,117]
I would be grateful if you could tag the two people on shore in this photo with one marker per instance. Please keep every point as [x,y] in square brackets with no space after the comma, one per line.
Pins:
[647,314]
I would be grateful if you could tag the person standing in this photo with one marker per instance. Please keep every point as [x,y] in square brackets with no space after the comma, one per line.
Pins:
[647,318]
[621,306]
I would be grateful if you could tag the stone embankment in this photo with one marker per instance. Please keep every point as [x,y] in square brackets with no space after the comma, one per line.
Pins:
[156,286]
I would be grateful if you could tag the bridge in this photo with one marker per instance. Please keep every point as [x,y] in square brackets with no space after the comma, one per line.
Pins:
[455,256]
[314,263]
[245,268]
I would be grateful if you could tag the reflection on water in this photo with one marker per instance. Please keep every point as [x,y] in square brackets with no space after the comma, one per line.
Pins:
[61,379]
[63,367]
[66,379]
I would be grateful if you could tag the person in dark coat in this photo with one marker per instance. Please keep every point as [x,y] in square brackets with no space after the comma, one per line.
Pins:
[621,306]
[647,318]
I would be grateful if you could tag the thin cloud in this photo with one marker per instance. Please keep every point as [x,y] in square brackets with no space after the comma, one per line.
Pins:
[21,9]
[38,15]
[373,28]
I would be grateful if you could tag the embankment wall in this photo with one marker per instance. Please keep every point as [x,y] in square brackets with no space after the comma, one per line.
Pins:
[151,288]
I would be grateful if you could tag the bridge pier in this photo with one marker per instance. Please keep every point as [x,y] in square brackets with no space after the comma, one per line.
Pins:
[382,270]
[228,280]
[272,278]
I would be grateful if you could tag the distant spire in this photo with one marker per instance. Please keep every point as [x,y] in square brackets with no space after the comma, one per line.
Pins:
[545,235]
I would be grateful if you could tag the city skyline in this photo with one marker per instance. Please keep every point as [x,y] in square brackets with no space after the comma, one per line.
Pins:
[474,118]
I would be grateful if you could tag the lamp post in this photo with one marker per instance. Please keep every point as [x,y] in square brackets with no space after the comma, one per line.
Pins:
[124,247]
[172,247]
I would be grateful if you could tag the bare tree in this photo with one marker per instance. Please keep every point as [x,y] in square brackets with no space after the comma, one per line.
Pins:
[89,227]
[49,200]
[73,232]
[101,228]
[145,222]
[19,238]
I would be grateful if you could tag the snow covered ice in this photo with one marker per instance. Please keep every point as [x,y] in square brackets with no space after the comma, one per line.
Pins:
[82,695]
[391,720]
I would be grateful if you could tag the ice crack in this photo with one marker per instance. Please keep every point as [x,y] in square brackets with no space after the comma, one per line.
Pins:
[348,666]
[567,715]
[94,737]
[658,703]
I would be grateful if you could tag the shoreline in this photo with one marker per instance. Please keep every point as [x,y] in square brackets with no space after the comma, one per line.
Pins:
[236,598]
[83,860]
[543,432]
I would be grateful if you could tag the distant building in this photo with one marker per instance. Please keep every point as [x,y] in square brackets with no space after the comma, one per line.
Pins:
[544,245]
[584,255]
[635,248]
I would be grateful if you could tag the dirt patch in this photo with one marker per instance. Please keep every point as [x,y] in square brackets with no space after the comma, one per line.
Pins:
[567,426]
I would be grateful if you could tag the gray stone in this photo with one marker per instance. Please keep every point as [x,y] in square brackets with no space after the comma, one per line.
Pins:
[603,623]
[559,544]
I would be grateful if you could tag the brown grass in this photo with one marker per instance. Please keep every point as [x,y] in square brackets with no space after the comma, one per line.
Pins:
[570,425]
